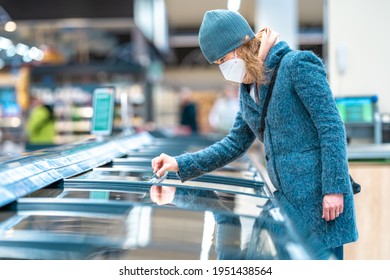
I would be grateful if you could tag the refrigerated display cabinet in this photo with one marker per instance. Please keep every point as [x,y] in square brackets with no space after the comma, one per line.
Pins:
[96,200]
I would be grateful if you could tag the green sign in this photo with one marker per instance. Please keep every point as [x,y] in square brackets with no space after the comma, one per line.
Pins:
[103,110]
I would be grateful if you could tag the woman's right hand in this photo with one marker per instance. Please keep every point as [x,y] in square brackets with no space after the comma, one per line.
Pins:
[164,163]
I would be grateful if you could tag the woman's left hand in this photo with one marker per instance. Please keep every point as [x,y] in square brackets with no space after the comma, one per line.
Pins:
[332,206]
[268,40]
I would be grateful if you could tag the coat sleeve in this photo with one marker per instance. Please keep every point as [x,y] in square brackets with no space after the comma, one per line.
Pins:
[311,85]
[231,147]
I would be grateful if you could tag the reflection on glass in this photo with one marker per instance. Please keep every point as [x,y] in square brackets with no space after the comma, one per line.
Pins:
[229,240]
[80,225]
[157,222]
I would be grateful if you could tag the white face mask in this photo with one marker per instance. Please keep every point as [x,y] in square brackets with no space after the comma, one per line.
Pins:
[233,69]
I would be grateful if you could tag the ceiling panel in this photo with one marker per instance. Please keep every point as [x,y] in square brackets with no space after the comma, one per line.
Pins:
[181,13]
[113,20]
[189,14]
[59,9]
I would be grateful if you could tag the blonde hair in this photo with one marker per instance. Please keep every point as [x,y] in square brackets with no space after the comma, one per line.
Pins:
[255,69]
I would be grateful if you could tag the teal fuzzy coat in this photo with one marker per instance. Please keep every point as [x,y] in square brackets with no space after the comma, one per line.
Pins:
[304,141]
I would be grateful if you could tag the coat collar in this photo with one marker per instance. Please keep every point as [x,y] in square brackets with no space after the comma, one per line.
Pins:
[274,56]
[276,53]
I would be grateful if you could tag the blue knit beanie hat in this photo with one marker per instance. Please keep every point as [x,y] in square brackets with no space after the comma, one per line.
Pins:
[221,32]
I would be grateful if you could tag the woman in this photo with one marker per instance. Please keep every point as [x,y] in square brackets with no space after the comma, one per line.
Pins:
[40,124]
[304,137]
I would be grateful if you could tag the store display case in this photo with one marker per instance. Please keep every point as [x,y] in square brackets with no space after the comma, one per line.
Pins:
[11,122]
[361,118]
[69,88]
[101,203]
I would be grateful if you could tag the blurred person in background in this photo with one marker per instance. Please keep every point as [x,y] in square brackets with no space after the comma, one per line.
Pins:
[224,110]
[188,112]
[304,136]
[40,127]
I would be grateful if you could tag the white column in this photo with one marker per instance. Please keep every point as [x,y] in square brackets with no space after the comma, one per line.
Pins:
[279,15]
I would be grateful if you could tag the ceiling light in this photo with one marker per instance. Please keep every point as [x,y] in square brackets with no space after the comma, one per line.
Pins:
[35,53]
[21,49]
[234,5]
[5,43]
[11,51]
[26,58]
[10,26]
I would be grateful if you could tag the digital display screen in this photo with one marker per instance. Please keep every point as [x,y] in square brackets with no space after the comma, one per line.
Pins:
[356,109]
[9,106]
[103,110]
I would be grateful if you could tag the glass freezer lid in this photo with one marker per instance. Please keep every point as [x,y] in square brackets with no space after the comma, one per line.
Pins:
[46,245]
[129,186]
[132,161]
[93,225]
[219,179]
[247,176]
[170,233]
[103,201]
[208,181]
[238,165]
[145,173]
[231,188]
[108,173]
[94,194]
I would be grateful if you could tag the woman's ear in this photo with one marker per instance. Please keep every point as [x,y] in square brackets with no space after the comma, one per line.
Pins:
[238,51]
